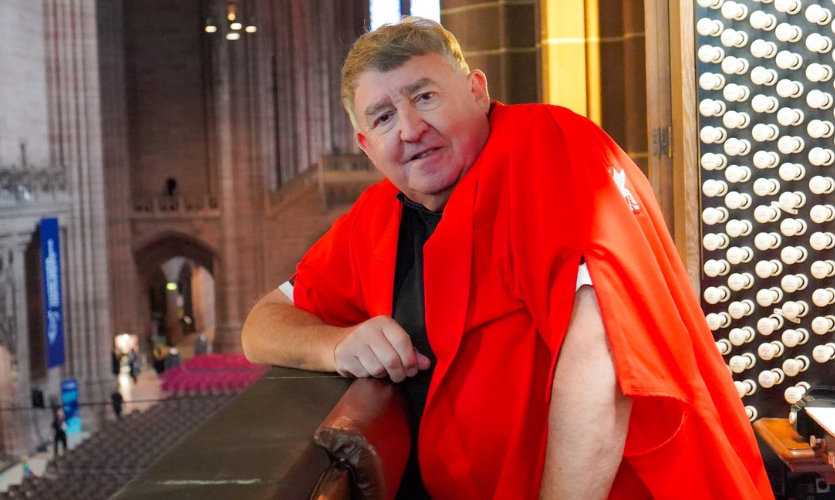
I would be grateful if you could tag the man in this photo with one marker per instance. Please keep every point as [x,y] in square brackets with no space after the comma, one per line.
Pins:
[460,277]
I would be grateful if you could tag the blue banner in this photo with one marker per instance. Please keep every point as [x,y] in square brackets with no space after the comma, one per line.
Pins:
[51,264]
[69,396]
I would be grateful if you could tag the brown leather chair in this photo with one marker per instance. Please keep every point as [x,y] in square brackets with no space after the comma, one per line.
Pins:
[367,437]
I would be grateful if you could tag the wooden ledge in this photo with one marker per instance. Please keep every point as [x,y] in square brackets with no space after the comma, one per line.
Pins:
[790,446]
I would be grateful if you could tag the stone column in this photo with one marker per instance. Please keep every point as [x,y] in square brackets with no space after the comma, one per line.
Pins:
[499,38]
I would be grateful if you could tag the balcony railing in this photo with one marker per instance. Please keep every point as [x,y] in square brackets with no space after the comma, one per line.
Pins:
[32,185]
[150,207]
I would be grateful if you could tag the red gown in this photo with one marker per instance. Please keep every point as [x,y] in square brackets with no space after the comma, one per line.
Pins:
[500,270]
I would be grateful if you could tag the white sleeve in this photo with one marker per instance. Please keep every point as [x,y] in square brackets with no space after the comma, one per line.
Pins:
[287,288]
[583,277]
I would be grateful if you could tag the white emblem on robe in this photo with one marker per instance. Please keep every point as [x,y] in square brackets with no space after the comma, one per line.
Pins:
[619,176]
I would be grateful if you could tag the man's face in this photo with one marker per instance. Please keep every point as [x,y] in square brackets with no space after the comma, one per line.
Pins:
[423,125]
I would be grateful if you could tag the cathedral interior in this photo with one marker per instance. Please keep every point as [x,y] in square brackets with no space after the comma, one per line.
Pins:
[163,164]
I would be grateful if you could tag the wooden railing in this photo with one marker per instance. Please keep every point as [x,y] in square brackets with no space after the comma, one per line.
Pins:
[32,185]
[175,206]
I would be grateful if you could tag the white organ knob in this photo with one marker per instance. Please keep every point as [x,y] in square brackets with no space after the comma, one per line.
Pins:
[791,201]
[770,378]
[821,157]
[766,187]
[769,296]
[715,321]
[713,161]
[711,215]
[786,32]
[740,308]
[822,240]
[817,73]
[823,269]
[796,392]
[736,173]
[794,338]
[713,81]
[787,88]
[791,171]
[741,147]
[736,200]
[745,387]
[714,188]
[788,116]
[763,76]
[709,107]
[724,346]
[761,21]
[739,336]
[792,310]
[793,227]
[787,6]
[770,350]
[815,43]
[766,326]
[736,228]
[823,297]
[822,213]
[717,294]
[738,93]
[737,255]
[818,15]
[823,325]
[761,48]
[766,213]
[716,267]
[793,255]
[820,128]
[733,38]
[734,11]
[710,54]
[793,366]
[751,412]
[788,60]
[743,362]
[715,241]
[732,65]
[736,119]
[709,27]
[713,4]
[711,135]
[788,144]
[767,241]
[819,100]
[821,185]
[765,159]
[791,283]
[740,281]
[762,132]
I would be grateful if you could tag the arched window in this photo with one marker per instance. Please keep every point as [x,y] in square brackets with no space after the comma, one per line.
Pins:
[389,11]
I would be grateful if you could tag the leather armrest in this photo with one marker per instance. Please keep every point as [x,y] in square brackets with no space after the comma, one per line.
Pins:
[368,432]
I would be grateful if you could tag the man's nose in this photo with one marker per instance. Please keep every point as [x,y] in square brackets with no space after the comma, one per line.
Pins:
[412,125]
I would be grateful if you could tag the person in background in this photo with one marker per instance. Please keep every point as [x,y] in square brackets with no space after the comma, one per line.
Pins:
[116,401]
[59,430]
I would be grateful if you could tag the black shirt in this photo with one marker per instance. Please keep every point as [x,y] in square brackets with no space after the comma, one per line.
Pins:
[417,224]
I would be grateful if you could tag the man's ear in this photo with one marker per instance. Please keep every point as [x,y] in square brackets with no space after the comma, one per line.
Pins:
[478,87]
[362,142]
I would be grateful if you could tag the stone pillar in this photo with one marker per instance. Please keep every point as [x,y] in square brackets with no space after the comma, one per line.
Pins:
[499,38]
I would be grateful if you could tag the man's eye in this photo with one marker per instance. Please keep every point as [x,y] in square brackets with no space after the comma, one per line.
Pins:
[383,118]
[427,96]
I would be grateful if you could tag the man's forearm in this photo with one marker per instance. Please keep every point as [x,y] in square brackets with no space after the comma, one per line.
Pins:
[589,416]
[278,333]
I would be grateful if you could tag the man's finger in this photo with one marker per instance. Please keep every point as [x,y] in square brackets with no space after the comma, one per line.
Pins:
[352,367]
[424,363]
[371,362]
[402,344]
[390,359]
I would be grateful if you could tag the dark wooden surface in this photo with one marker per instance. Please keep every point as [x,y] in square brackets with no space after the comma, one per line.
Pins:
[792,448]
[259,446]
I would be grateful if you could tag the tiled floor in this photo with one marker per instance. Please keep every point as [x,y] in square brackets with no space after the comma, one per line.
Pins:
[138,396]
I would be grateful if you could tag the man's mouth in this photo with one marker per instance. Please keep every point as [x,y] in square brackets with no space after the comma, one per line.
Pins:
[424,154]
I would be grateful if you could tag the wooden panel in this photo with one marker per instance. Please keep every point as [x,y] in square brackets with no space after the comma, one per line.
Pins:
[685,139]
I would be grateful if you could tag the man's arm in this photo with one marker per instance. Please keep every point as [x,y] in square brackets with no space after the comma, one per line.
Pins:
[589,415]
[278,333]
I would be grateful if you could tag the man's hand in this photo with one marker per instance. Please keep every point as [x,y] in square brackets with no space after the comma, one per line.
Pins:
[378,348]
